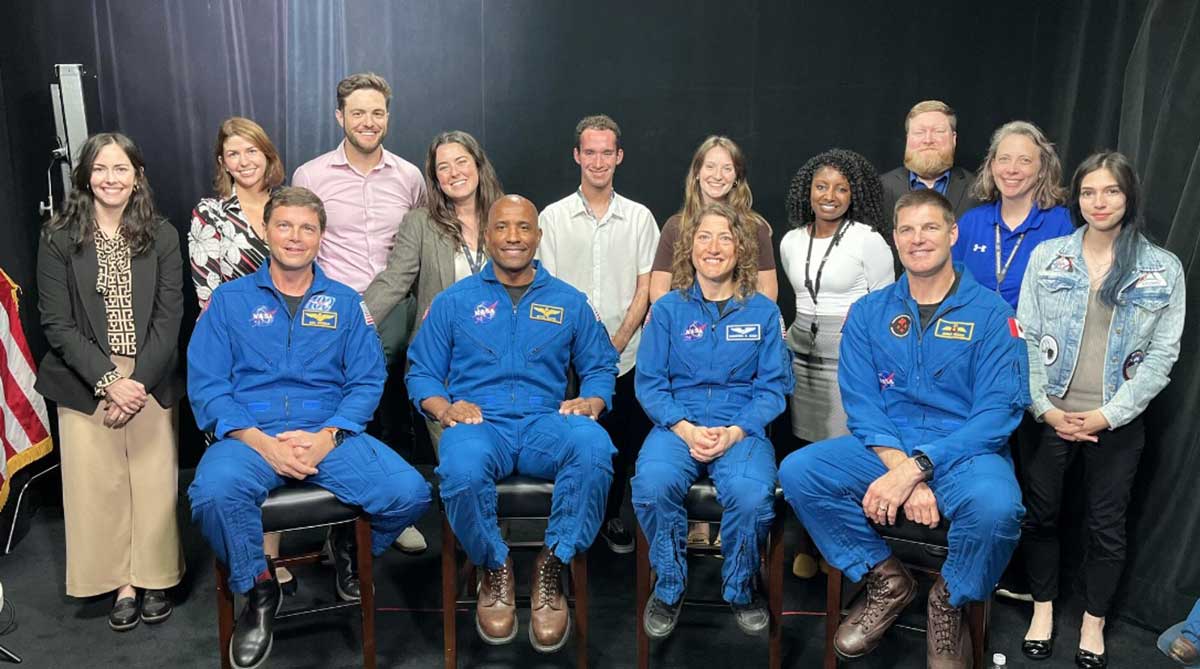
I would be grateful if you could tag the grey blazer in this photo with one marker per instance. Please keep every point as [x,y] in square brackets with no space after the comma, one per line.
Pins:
[422,254]
[76,324]
[895,184]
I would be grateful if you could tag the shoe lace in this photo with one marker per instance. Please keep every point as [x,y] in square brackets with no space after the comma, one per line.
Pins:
[498,580]
[549,585]
[878,590]
[944,622]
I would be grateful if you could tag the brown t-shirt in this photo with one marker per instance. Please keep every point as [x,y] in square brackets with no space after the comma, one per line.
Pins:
[670,235]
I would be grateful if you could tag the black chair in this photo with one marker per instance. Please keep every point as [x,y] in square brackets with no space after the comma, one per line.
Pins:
[301,506]
[518,498]
[921,549]
[702,506]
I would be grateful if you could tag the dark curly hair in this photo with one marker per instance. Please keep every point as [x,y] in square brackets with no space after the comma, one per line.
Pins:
[866,191]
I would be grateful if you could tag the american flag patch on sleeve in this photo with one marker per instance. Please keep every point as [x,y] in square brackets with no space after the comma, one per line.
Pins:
[366,314]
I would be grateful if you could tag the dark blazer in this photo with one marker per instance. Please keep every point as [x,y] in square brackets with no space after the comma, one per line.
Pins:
[895,184]
[76,326]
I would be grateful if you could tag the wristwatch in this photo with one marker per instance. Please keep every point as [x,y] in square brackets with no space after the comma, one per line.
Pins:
[924,464]
[339,435]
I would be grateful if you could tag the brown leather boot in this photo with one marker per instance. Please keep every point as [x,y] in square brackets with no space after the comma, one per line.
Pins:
[496,610]
[947,641]
[889,588]
[549,617]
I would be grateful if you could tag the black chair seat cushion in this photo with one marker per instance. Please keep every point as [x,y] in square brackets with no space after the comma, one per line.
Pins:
[702,505]
[523,497]
[297,504]
[916,544]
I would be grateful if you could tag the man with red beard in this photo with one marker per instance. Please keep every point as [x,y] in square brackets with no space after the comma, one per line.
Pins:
[929,159]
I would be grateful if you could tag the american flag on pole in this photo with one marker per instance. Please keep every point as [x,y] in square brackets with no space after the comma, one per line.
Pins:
[24,429]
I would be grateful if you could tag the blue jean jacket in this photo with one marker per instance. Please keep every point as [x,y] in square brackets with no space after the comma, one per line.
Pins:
[1143,338]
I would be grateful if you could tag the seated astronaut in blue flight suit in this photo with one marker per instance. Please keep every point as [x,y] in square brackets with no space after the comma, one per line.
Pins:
[934,377]
[490,364]
[285,369]
[712,373]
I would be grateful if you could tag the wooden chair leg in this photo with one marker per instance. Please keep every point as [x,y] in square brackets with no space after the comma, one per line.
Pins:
[224,614]
[579,569]
[977,615]
[643,594]
[775,594]
[833,615]
[366,583]
[449,595]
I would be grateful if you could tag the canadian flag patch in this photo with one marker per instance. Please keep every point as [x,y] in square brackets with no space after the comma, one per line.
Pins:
[1015,329]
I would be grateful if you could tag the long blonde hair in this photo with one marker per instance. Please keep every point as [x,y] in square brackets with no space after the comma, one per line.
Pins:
[739,197]
[1049,191]
[745,236]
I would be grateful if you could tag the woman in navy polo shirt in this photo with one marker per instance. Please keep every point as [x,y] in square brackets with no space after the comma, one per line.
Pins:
[1020,185]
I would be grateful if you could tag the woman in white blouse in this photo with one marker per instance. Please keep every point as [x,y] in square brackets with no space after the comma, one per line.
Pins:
[833,257]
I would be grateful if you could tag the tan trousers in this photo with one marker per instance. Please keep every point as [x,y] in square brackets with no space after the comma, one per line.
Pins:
[119,495]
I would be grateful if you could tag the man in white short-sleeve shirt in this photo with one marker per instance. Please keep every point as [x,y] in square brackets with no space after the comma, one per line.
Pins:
[603,244]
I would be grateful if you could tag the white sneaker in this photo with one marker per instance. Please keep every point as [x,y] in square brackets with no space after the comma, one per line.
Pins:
[411,541]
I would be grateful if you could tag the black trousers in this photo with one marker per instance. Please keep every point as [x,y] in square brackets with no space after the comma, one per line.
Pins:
[1109,470]
[627,426]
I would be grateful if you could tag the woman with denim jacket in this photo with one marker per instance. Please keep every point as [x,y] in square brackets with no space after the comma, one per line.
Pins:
[1102,311]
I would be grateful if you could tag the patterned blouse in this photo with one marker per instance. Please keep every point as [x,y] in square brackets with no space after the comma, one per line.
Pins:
[114,282]
[222,245]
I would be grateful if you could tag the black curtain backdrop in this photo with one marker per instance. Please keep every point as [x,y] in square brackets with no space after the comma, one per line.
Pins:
[785,80]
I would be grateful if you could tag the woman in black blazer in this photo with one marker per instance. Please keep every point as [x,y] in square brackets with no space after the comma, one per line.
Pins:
[109,288]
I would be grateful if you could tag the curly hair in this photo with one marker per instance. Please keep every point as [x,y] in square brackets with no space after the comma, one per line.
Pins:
[745,270]
[139,220]
[1049,191]
[866,191]
[441,209]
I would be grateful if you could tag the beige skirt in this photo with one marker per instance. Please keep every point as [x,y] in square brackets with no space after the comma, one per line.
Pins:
[119,495]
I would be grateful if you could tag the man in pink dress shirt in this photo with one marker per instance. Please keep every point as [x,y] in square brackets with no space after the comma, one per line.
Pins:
[367,190]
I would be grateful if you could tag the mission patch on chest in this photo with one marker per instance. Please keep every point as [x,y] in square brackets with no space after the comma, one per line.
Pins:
[543,312]
[743,332]
[960,330]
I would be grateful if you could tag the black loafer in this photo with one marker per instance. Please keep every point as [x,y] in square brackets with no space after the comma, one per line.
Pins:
[124,614]
[1088,660]
[341,547]
[660,617]
[156,606]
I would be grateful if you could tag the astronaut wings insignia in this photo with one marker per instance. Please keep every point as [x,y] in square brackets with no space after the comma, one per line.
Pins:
[311,318]
[743,332]
[543,312]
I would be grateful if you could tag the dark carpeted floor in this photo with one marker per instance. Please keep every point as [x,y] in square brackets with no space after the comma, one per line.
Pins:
[58,631]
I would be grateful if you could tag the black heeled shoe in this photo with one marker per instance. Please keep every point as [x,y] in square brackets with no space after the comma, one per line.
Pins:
[290,586]
[1085,659]
[1038,649]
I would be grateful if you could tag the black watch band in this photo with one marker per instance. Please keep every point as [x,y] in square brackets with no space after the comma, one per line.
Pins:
[924,464]
[339,435]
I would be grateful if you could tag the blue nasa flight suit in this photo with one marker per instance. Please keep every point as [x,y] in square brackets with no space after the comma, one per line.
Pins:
[954,391]
[511,361]
[710,370]
[250,365]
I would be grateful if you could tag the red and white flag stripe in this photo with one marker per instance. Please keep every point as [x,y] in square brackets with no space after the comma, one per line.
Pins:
[24,428]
